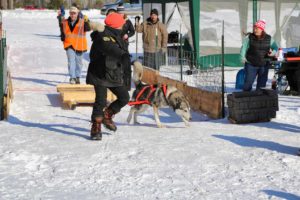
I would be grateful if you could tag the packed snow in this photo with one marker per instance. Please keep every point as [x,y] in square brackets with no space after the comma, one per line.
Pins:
[46,153]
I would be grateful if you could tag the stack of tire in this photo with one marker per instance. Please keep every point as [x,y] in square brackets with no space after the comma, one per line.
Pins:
[251,107]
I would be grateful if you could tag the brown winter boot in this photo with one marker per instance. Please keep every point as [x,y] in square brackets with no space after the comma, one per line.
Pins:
[96,133]
[107,120]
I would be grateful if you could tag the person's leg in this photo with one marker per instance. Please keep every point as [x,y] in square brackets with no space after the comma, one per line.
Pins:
[100,101]
[290,78]
[97,114]
[250,74]
[262,77]
[297,81]
[149,60]
[71,62]
[115,107]
[159,60]
[79,64]
[146,59]
[122,98]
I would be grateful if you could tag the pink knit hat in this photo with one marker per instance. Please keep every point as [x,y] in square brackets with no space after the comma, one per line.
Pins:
[261,24]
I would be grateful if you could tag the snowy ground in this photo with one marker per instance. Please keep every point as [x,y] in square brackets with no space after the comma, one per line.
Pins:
[45,151]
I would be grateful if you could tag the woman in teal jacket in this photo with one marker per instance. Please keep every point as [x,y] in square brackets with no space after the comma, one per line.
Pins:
[257,46]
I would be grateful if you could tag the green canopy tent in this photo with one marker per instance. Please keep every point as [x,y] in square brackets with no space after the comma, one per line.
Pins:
[204,18]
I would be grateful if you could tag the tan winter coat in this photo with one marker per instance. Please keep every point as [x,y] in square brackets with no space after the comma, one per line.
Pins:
[149,36]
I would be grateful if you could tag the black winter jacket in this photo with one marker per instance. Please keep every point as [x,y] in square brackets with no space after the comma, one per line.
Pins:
[108,58]
[258,50]
[128,28]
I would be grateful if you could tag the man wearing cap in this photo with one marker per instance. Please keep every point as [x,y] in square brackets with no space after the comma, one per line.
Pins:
[75,43]
[257,46]
[108,58]
[155,39]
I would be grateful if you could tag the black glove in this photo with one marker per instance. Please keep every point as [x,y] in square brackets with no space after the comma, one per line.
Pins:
[62,37]
[137,18]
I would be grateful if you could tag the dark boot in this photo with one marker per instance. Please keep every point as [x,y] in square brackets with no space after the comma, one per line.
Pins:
[107,120]
[77,80]
[96,133]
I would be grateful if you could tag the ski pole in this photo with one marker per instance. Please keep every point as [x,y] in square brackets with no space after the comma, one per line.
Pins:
[136,39]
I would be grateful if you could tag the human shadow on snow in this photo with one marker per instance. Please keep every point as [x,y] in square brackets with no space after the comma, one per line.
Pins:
[281,195]
[39,81]
[279,126]
[57,128]
[48,36]
[75,118]
[167,115]
[56,74]
[270,125]
[248,142]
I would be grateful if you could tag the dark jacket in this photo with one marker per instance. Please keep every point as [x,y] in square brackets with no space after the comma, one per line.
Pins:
[62,35]
[128,29]
[108,57]
[258,50]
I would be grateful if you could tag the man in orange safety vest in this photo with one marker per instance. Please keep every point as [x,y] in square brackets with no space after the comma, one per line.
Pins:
[75,43]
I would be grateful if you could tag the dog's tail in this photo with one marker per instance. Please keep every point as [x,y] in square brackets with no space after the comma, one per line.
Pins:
[137,72]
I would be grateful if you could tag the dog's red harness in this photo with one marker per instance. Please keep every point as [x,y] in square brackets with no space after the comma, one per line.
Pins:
[139,101]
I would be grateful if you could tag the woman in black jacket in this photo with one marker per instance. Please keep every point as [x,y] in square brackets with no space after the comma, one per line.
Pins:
[108,57]
[127,32]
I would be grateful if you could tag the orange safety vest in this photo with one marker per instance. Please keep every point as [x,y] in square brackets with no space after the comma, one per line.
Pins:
[77,38]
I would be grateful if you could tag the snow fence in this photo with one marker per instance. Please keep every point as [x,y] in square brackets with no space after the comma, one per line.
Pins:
[206,102]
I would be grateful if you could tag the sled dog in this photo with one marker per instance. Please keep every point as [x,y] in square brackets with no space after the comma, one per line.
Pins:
[156,96]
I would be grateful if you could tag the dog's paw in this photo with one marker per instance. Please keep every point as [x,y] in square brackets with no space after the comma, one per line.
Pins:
[187,124]
[161,126]
[136,122]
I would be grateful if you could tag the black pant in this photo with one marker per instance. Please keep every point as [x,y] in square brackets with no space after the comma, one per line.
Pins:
[293,77]
[100,101]
[292,72]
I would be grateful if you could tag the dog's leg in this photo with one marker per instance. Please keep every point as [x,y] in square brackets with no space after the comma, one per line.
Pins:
[186,122]
[131,112]
[135,118]
[141,109]
[156,117]
[184,115]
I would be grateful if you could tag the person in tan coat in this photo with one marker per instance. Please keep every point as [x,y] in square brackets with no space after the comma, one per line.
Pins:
[155,39]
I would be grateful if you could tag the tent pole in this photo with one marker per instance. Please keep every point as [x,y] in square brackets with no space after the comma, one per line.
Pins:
[223,76]
[163,8]
[277,35]
[243,14]
[254,11]
[195,27]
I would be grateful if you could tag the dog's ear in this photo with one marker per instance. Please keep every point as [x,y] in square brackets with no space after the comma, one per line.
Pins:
[137,71]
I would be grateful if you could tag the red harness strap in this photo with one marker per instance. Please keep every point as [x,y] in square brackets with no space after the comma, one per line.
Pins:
[146,101]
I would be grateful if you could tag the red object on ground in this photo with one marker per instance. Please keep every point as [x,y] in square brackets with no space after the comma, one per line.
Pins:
[293,58]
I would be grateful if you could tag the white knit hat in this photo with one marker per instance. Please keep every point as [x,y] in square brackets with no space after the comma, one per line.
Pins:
[74,9]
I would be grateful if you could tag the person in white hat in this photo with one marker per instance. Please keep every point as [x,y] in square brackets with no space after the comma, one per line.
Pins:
[74,40]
